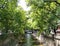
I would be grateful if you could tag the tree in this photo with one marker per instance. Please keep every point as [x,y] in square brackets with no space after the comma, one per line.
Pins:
[12,18]
[44,13]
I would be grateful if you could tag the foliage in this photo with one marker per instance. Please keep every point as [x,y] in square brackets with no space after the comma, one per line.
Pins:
[41,16]
[12,17]
[46,14]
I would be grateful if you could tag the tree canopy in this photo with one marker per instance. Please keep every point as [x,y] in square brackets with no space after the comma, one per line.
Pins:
[42,15]
[12,17]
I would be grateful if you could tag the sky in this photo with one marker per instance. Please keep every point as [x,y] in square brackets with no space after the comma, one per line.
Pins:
[23,4]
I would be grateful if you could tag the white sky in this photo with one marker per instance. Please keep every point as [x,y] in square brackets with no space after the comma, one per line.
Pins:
[23,4]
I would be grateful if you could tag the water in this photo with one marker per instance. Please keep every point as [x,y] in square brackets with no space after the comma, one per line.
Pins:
[28,40]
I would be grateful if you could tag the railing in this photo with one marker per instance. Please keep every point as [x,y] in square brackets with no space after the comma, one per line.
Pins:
[50,37]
